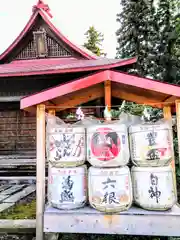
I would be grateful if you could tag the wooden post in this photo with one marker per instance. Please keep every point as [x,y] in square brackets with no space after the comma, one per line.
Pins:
[178,124]
[167,112]
[51,236]
[40,171]
[168,116]
[52,112]
[107,93]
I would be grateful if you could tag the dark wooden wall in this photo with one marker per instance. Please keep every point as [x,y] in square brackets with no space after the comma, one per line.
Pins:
[18,132]
[18,128]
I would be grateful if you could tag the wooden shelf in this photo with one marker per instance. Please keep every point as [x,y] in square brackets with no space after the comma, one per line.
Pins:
[135,221]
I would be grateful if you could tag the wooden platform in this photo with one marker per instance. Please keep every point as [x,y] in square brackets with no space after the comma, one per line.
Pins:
[135,221]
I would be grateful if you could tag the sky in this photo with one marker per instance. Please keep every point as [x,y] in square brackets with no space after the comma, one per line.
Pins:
[71,17]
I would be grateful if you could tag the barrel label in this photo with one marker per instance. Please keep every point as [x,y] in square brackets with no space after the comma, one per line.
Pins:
[67,185]
[154,192]
[157,193]
[66,145]
[150,145]
[110,191]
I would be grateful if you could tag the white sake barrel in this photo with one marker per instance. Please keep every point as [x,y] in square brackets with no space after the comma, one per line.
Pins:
[110,189]
[67,187]
[107,145]
[66,146]
[154,187]
[151,144]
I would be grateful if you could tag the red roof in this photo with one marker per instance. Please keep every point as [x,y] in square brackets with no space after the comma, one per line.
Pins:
[60,65]
[43,10]
[56,65]
[124,86]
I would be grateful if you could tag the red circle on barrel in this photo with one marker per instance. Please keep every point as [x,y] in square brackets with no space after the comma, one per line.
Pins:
[105,144]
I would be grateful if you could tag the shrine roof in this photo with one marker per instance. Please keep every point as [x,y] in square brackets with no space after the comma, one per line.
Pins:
[59,65]
[123,86]
[43,10]
[82,60]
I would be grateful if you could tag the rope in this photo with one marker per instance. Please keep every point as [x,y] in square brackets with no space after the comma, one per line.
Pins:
[102,106]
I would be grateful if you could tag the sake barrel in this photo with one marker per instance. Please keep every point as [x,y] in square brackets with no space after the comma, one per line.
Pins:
[110,189]
[107,145]
[151,144]
[66,146]
[67,187]
[154,187]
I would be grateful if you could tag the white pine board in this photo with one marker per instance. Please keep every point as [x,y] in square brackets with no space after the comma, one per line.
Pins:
[10,201]
[132,222]
[17,162]
[12,190]
[3,197]
[4,187]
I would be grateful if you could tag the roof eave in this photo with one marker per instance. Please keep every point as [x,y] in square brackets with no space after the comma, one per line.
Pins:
[69,70]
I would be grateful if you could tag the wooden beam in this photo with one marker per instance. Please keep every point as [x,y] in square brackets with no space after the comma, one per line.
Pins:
[170,99]
[168,116]
[118,93]
[144,83]
[78,97]
[40,171]
[107,93]
[30,109]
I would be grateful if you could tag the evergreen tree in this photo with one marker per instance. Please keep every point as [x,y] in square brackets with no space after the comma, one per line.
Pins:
[136,33]
[167,55]
[152,33]
[94,41]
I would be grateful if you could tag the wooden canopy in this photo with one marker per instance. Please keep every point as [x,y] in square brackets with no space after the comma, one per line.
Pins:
[102,84]
[91,87]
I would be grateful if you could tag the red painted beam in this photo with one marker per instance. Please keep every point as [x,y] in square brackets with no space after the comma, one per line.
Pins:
[64,89]
[145,83]
[96,78]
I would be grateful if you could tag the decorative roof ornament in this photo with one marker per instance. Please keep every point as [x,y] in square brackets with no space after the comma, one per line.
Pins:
[43,6]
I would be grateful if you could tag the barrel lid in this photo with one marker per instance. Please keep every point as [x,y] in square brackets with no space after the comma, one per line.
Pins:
[114,126]
[67,170]
[66,129]
[108,171]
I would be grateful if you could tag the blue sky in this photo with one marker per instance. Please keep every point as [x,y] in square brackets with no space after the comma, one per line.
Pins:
[72,17]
